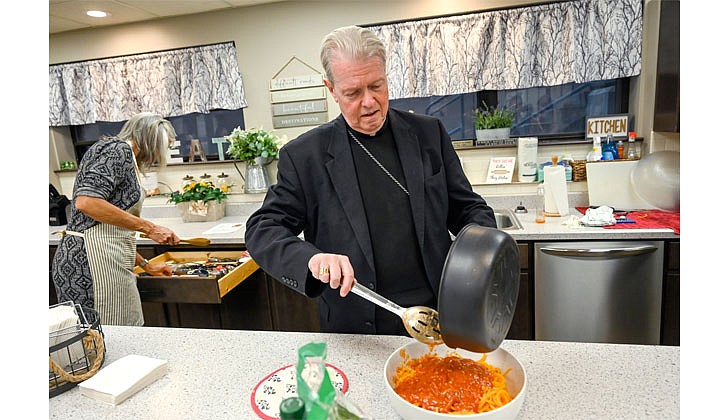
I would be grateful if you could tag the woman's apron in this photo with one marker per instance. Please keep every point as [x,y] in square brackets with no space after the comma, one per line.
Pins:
[111,254]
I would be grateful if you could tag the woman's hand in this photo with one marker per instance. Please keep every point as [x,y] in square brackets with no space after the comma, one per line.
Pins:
[158,269]
[334,269]
[163,235]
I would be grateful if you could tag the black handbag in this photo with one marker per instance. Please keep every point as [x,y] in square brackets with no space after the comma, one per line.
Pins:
[60,206]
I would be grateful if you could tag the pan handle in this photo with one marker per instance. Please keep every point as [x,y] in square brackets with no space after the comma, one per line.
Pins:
[377,299]
[606,252]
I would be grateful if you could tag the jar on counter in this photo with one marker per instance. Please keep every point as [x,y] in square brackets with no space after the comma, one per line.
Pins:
[223,180]
[187,180]
[207,179]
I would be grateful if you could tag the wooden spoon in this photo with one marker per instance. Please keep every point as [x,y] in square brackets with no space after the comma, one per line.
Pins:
[191,241]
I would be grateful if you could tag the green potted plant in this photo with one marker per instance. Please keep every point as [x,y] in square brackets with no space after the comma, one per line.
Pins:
[200,202]
[253,144]
[257,148]
[492,123]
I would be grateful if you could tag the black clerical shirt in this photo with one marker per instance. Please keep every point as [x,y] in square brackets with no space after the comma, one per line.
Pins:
[400,274]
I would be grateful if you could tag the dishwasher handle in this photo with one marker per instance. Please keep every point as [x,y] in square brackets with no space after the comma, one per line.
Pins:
[604,252]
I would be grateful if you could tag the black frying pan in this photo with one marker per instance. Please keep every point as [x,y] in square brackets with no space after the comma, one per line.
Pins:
[478,289]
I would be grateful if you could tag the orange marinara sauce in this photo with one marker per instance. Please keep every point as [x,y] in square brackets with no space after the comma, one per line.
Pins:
[445,384]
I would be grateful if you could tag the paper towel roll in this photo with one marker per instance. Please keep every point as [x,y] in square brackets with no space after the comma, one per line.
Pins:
[556,199]
[527,155]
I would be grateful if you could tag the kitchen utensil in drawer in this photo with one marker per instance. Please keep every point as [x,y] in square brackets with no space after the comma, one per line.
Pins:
[421,322]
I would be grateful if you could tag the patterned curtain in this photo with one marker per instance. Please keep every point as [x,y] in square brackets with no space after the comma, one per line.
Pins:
[546,45]
[171,83]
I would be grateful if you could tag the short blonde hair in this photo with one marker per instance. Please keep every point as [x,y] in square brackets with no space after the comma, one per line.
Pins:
[353,43]
[152,135]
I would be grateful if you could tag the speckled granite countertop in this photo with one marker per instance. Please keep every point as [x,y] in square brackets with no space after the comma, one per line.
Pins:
[553,229]
[212,374]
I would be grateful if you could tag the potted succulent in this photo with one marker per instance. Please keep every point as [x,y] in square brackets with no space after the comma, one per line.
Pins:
[200,202]
[492,123]
[257,148]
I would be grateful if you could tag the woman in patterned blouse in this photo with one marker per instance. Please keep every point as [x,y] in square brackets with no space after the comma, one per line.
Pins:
[93,264]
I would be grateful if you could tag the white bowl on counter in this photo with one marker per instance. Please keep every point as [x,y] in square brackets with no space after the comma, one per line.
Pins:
[501,358]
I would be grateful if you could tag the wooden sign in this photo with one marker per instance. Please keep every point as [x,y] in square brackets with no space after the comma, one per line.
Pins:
[299,120]
[500,170]
[293,95]
[302,107]
[295,82]
[616,125]
[298,100]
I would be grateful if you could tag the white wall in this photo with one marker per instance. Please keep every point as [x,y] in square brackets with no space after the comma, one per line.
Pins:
[266,37]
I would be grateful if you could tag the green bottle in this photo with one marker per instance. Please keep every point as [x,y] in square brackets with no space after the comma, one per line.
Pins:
[292,408]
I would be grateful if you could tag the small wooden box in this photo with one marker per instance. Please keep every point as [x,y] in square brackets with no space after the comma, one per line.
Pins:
[192,289]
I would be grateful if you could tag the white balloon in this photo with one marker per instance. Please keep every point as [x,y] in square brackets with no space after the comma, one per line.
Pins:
[656,180]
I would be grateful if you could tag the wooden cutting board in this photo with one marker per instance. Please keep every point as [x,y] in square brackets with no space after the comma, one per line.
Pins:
[609,184]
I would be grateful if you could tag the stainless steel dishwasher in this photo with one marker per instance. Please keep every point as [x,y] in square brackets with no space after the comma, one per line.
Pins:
[600,292]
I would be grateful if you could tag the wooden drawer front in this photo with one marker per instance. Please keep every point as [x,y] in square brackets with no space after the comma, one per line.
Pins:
[184,289]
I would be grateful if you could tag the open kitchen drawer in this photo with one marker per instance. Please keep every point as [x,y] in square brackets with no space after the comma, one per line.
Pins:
[192,289]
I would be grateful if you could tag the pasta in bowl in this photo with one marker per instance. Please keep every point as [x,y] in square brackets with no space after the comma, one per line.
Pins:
[444,383]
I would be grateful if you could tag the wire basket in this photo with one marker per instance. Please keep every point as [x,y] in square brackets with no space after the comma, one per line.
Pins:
[578,170]
[76,352]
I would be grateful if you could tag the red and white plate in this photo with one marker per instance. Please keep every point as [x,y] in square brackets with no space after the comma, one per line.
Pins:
[281,384]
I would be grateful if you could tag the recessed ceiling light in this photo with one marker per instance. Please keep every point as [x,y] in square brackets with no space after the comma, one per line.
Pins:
[96,13]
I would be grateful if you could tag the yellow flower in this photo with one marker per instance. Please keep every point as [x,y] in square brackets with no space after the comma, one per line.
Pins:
[225,188]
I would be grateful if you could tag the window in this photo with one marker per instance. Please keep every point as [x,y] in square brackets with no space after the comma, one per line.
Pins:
[205,127]
[548,112]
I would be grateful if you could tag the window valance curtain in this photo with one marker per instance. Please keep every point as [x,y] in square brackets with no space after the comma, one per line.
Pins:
[171,83]
[544,45]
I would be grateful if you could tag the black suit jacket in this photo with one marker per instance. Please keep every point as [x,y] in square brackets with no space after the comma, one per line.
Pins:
[317,193]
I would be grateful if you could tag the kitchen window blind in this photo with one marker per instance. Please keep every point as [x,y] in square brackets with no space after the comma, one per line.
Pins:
[171,83]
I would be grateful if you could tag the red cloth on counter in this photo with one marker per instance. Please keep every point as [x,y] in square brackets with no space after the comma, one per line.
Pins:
[647,219]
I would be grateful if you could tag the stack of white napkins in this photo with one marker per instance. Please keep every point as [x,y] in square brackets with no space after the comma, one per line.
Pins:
[61,320]
[123,378]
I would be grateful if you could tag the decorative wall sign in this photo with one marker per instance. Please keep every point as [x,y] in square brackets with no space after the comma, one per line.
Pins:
[292,95]
[299,120]
[500,170]
[616,125]
[296,82]
[303,107]
[298,100]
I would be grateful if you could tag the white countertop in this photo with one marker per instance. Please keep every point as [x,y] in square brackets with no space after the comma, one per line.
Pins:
[553,229]
[212,374]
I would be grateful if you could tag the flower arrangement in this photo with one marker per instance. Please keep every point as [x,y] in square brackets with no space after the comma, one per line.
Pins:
[199,191]
[200,201]
[247,145]
[492,117]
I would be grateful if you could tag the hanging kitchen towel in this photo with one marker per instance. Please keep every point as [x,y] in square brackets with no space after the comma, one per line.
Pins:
[556,198]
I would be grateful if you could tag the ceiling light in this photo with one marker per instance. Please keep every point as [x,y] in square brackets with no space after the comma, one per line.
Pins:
[96,13]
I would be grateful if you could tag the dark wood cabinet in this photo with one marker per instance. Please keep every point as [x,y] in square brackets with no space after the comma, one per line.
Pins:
[667,85]
[522,327]
[670,332]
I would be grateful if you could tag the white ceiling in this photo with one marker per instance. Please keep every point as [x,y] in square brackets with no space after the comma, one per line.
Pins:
[69,15]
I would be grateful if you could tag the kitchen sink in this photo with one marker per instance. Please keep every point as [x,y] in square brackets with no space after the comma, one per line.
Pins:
[506,219]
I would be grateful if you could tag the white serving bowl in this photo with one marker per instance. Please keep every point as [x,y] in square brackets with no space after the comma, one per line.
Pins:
[515,381]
